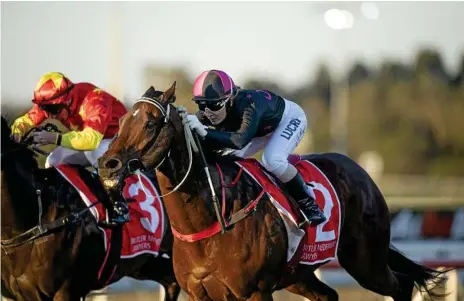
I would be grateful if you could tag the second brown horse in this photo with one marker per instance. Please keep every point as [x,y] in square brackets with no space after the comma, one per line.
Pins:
[248,262]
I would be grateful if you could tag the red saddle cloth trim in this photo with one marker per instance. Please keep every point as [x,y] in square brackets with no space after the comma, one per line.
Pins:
[145,231]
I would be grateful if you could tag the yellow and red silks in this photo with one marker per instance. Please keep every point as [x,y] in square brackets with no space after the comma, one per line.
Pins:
[94,115]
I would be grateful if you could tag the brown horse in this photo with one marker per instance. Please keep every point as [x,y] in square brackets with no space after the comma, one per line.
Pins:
[61,259]
[248,262]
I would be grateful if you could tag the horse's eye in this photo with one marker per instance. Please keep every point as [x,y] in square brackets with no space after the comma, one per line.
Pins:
[151,125]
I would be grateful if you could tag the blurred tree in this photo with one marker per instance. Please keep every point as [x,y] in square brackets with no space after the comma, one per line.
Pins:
[363,132]
[322,86]
[359,73]
[429,61]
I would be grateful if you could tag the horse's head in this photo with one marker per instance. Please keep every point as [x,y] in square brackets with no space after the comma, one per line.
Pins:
[144,138]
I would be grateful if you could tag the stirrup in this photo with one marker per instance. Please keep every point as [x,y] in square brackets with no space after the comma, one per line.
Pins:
[113,221]
[109,224]
[307,220]
[304,222]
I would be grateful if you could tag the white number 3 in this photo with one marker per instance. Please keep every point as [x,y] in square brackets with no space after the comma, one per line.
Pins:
[152,223]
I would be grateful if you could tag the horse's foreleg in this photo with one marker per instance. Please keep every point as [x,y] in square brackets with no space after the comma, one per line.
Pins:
[171,291]
[65,294]
[313,289]
[62,296]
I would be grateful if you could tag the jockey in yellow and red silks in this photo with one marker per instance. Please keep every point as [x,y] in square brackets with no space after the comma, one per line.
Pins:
[91,114]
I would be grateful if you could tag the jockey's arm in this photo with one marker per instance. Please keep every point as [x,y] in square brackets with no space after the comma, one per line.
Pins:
[240,138]
[96,113]
[26,122]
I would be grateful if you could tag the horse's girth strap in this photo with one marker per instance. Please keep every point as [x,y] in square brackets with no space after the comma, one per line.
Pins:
[245,211]
[234,182]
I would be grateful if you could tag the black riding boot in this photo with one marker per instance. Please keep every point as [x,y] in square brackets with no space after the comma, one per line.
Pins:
[117,207]
[296,187]
[120,212]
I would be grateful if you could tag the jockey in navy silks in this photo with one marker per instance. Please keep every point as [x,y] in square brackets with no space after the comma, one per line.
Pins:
[246,121]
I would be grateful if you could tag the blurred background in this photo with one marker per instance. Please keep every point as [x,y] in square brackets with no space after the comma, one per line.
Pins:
[380,81]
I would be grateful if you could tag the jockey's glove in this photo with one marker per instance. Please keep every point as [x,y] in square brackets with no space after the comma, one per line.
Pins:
[182,111]
[44,137]
[195,124]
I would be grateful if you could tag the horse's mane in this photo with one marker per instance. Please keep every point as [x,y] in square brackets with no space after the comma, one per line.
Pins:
[219,156]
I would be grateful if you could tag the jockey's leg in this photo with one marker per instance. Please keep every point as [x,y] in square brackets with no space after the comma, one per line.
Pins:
[120,210]
[253,147]
[94,155]
[62,155]
[284,140]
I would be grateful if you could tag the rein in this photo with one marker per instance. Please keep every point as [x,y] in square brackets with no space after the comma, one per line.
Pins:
[43,229]
[40,229]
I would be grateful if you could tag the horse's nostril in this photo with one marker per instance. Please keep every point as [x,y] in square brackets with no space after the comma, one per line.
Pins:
[113,164]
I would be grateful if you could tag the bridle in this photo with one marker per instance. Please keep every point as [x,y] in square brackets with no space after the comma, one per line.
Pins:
[190,142]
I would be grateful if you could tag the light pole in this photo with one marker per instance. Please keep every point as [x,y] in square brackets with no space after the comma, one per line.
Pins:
[337,19]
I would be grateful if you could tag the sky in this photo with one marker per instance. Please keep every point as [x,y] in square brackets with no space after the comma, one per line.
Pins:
[109,43]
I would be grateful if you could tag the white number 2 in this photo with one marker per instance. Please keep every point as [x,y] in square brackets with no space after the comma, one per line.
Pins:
[147,205]
[320,234]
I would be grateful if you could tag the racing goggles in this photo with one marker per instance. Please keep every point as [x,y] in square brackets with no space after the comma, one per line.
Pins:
[213,106]
[53,109]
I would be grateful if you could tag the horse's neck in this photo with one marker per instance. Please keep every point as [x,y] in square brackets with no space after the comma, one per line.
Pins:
[187,208]
[19,201]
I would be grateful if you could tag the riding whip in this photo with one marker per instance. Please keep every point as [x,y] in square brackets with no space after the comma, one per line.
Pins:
[210,182]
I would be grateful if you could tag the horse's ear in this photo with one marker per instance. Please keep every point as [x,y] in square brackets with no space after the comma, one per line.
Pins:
[170,94]
[150,92]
